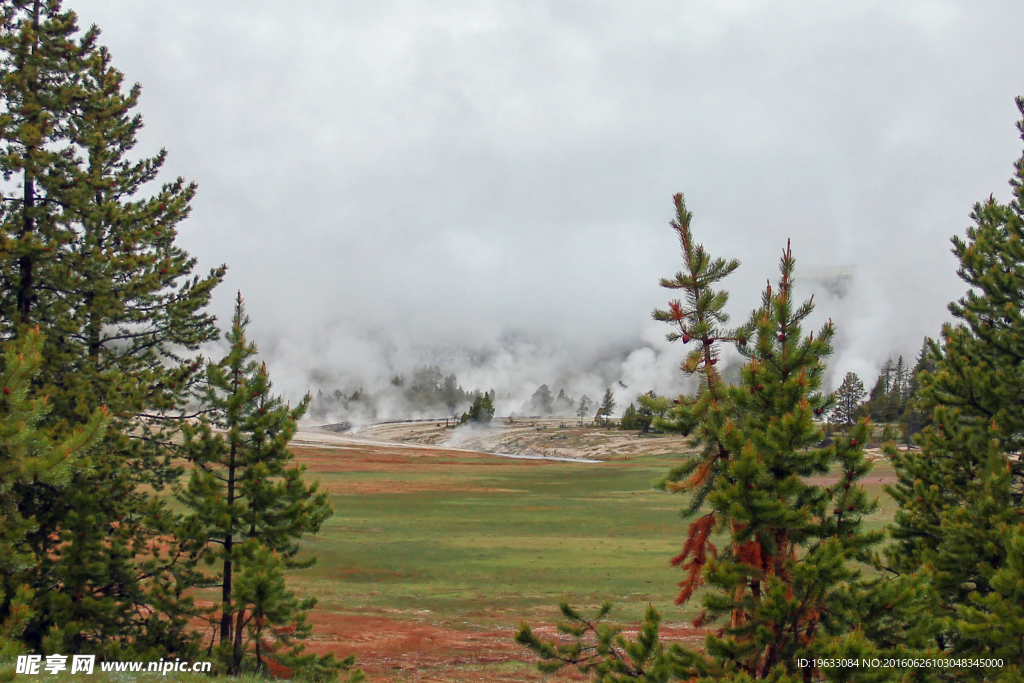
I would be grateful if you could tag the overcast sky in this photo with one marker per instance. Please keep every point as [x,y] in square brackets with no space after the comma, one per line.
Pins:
[390,181]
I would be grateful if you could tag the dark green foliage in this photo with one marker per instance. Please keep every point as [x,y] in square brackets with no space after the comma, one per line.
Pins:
[995,622]
[652,409]
[848,398]
[651,406]
[607,408]
[428,391]
[275,620]
[890,395]
[248,502]
[701,318]
[961,511]
[95,267]
[481,410]
[630,419]
[582,408]
[915,417]
[541,403]
[600,649]
[18,614]
[29,453]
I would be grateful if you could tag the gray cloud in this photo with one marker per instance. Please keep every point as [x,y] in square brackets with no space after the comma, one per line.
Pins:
[386,179]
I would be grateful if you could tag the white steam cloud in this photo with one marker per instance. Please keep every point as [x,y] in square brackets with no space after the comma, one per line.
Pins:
[484,185]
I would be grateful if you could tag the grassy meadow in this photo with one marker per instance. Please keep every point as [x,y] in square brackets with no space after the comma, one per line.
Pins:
[436,543]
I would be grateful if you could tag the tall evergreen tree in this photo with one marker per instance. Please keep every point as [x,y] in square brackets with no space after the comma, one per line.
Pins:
[95,267]
[630,418]
[848,397]
[247,496]
[607,408]
[541,402]
[481,410]
[961,497]
[563,404]
[915,417]
[701,318]
[582,408]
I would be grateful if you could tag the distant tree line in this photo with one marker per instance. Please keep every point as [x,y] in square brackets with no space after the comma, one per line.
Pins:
[892,400]
[426,391]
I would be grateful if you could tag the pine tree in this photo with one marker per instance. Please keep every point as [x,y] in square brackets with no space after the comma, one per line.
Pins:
[29,454]
[915,418]
[961,497]
[582,408]
[790,583]
[275,621]
[700,318]
[481,410]
[563,405]
[848,398]
[607,408]
[652,408]
[541,403]
[29,457]
[630,419]
[96,269]
[246,495]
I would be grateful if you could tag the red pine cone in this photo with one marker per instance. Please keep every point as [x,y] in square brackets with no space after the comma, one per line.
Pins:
[686,338]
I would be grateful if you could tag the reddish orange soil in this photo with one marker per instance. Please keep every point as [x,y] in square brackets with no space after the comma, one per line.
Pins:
[393,650]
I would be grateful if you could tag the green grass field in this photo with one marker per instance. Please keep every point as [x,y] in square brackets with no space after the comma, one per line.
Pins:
[476,539]
[488,537]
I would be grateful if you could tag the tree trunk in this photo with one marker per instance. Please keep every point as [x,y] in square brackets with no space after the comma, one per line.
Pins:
[236,666]
[225,619]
